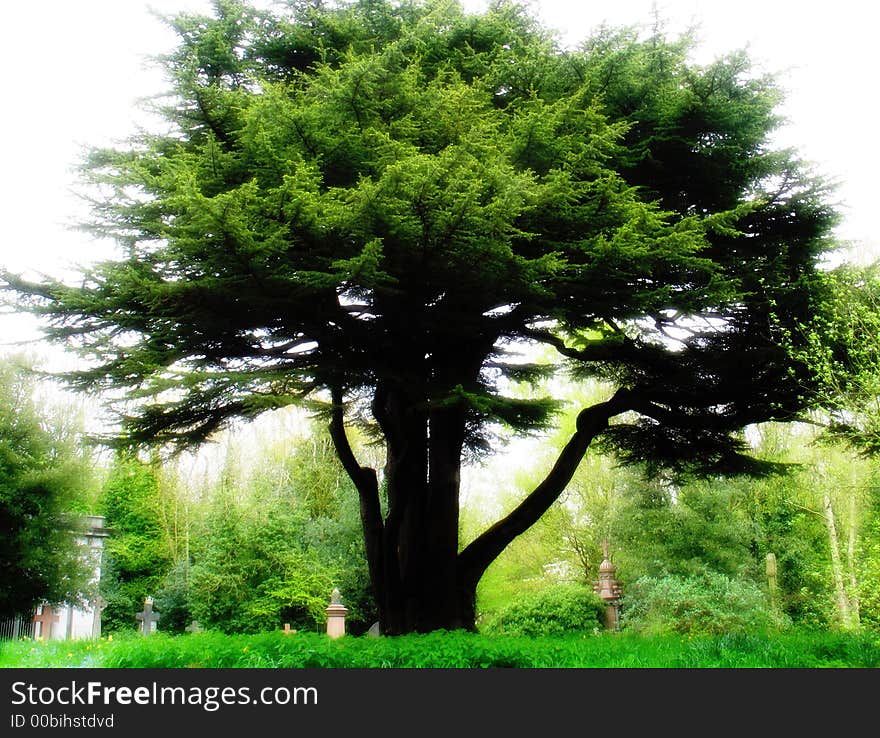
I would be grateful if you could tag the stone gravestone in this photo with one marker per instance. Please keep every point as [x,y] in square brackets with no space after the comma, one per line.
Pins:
[609,589]
[772,586]
[99,604]
[43,620]
[148,617]
[194,627]
[336,615]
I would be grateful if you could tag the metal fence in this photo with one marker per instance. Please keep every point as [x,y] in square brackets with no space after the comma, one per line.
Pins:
[20,626]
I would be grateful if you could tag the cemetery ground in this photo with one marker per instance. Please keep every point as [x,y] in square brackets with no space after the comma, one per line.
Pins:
[452,650]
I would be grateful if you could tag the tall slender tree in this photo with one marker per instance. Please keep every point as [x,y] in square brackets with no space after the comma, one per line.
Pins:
[372,205]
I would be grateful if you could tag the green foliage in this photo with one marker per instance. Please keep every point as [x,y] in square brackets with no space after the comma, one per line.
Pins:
[531,563]
[723,526]
[44,478]
[375,200]
[276,541]
[448,650]
[661,529]
[843,354]
[253,573]
[324,160]
[136,554]
[556,610]
[709,604]
[520,571]
[869,558]
[172,598]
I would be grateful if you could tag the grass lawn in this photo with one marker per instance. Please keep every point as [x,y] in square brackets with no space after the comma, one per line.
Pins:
[450,650]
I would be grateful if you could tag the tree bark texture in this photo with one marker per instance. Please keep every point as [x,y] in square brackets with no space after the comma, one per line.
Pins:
[421,581]
[841,598]
[851,565]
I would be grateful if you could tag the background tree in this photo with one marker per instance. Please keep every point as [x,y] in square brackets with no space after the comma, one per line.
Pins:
[693,554]
[280,532]
[371,205]
[843,356]
[869,556]
[139,553]
[45,483]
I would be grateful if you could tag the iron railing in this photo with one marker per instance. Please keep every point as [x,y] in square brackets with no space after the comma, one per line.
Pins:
[20,626]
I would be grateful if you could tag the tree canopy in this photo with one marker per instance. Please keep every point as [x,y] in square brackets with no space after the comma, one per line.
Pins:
[840,344]
[373,207]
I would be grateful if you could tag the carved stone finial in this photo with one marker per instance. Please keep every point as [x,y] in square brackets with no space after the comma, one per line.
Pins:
[336,612]
[608,588]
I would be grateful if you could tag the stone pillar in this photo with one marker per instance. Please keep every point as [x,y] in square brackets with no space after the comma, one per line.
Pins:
[609,589]
[772,586]
[336,616]
[98,604]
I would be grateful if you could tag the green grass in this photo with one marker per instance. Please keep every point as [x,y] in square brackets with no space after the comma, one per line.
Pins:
[450,650]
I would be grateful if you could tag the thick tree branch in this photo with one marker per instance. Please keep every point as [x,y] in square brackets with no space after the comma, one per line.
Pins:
[604,351]
[367,485]
[477,556]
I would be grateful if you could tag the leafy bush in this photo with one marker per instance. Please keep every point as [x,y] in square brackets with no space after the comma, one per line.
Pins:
[276,541]
[556,610]
[710,603]
[172,599]
[252,573]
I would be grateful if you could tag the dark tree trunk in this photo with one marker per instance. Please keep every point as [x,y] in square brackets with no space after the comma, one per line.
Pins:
[417,587]
[420,579]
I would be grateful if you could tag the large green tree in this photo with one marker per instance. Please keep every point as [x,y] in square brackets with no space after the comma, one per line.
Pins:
[374,205]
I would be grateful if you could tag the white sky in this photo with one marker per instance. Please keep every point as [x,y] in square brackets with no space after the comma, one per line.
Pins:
[74,70]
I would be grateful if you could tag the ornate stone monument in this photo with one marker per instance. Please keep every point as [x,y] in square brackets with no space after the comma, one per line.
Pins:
[609,589]
[336,612]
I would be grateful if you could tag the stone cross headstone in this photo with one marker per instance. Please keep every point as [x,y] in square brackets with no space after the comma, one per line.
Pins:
[194,627]
[287,631]
[43,620]
[148,617]
[99,604]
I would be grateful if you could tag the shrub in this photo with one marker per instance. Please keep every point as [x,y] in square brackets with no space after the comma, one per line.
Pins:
[557,610]
[710,603]
[172,599]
